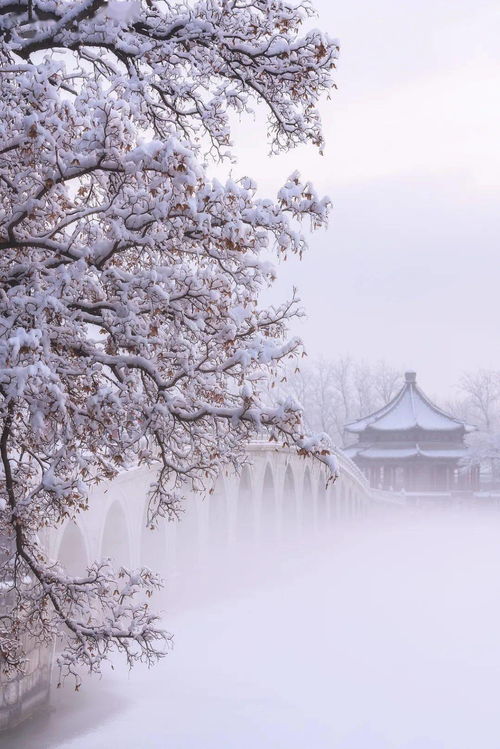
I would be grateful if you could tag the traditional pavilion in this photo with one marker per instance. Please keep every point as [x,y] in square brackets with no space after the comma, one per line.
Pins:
[410,444]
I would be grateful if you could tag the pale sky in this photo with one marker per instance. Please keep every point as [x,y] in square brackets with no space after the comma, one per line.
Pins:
[408,268]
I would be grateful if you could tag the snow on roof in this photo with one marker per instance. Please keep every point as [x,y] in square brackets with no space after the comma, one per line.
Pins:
[409,409]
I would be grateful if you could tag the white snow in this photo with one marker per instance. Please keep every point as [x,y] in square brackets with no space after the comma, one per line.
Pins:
[408,410]
[384,638]
[123,11]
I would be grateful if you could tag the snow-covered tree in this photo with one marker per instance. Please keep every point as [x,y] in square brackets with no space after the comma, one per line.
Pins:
[481,392]
[479,404]
[484,454]
[130,327]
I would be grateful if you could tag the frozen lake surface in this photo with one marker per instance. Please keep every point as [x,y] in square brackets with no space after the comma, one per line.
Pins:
[380,637]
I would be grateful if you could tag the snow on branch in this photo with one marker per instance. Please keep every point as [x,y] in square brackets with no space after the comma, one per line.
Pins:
[130,327]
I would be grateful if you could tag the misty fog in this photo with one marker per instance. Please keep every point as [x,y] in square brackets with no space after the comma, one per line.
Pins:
[378,633]
[380,630]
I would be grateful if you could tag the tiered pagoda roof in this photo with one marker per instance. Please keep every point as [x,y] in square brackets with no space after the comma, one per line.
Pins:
[409,426]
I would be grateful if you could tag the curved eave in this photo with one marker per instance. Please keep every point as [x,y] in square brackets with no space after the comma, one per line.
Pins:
[452,429]
[409,410]
[458,426]
[402,454]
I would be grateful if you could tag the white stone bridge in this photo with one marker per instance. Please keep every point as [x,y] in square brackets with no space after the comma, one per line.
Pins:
[277,496]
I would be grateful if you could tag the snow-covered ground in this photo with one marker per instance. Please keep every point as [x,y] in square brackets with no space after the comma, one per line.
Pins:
[381,637]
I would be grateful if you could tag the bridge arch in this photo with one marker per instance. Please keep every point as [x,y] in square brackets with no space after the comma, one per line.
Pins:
[321,503]
[333,495]
[307,501]
[245,514]
[153,549]
[115,542]
[72,552]
[218,515]
[289,503]
[268,505]
[187,536]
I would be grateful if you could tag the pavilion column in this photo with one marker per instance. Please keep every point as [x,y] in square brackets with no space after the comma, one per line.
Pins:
[372,477]
[375,477]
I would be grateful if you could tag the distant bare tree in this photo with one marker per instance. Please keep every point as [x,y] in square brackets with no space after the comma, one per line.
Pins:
[363,388]
[460,408]
[335,392]
[482,396]
[386,381]
[484,451]
[480,406]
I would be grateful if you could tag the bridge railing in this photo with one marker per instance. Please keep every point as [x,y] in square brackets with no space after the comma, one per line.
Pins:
[346,465]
